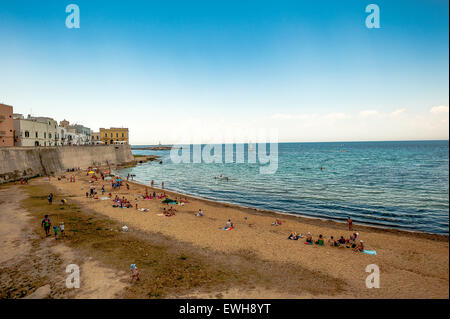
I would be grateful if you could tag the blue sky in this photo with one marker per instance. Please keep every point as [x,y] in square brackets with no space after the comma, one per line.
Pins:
[310,69]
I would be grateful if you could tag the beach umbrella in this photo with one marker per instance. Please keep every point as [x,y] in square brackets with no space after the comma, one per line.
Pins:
[91,172]
[118,180]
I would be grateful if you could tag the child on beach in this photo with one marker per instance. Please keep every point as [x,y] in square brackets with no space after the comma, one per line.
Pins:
[61,228]
[55,229]
[134,272]
[200,213]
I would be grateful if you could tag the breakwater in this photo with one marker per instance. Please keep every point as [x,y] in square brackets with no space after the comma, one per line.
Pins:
[18,162]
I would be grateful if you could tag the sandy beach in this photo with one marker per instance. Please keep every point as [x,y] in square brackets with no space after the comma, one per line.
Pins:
[412,265]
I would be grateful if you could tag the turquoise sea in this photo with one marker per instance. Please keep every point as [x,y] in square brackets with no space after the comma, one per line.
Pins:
[402,185]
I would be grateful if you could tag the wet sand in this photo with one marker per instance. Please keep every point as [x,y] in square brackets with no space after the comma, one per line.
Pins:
[412,265]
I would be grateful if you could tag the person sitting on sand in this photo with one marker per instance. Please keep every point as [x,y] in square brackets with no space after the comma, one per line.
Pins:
[360,247]
[276,222]
[200,213]
[229,224]
[320,241]
[309,239]
[332,242]
[293,236]
[342,240]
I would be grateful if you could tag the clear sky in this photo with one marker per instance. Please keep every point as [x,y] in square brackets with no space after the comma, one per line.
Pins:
[169,70]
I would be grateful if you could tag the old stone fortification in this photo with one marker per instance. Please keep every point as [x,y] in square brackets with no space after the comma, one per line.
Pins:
[18,162]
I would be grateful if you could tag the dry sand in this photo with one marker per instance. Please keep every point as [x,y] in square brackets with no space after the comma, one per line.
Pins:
[33,267]
[412,265]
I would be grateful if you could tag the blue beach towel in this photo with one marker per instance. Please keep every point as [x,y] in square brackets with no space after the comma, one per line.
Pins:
[370,252]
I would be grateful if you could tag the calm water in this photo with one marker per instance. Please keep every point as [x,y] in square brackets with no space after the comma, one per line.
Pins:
[392,184]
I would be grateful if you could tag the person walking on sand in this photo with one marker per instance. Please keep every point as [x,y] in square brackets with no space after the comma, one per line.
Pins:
[55,229]
[46,223]
[350,223]
[153,183]
[50,199]
[162,185]
[136,201]
[134,272]
[61,228]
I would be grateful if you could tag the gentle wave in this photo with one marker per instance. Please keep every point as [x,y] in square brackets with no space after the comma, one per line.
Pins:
[387,184]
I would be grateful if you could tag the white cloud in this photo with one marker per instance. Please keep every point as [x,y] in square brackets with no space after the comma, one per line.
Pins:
[337,116]
[288,116]
[439,109]
[398,112]
[366,113]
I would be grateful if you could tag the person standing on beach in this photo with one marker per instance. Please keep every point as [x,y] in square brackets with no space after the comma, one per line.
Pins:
[136,202]
[46,223]
[350,223]
[153,183]
[50,199]
[162,185]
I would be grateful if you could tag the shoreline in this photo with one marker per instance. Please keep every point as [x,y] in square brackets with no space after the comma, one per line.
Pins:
[299,218]
[413,265]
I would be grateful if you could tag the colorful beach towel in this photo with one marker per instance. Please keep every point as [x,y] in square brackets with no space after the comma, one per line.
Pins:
[227,228]
[370,252]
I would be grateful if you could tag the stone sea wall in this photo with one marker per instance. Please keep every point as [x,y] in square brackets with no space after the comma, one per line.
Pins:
[18,162]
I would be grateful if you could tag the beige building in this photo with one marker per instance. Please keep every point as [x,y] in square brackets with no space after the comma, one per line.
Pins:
[6,125]
[35,131]
[95,138]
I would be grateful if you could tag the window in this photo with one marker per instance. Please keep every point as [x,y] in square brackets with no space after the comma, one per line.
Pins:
[45,135]
[117,134]
[111,134]
[106,134]
[27,134]
[49,135]
[37,135]
[123,135]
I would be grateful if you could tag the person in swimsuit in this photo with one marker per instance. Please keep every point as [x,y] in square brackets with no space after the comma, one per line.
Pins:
[320,241]
[350,223]
[360,247]
[309,239]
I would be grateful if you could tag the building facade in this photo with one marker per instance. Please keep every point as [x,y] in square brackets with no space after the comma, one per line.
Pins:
[95,138]
[35,131]
[6,126]
[114,135]
[83,132]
